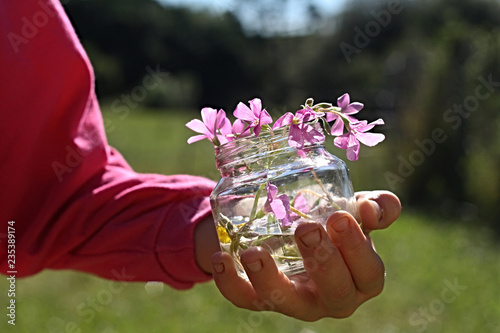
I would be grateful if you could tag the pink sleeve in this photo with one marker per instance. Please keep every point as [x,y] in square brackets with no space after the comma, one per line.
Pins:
[75,202]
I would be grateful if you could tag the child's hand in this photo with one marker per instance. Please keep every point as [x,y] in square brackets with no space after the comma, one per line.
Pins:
[343,269]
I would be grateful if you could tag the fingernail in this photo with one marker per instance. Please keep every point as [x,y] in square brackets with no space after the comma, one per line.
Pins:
[311,239]
[377,209]
[254,266]
[218,267]
[341,224]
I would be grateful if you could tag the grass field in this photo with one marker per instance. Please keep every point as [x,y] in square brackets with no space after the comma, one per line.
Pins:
[441,277]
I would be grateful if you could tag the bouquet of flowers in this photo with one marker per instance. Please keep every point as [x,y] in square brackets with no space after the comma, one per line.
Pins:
[216,127]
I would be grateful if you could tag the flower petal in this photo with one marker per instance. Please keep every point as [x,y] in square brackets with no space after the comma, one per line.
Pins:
[353,152]
[343,101]
[352,148]
[209,117]
[338,127]
[278,208]
[300,203]
[310,134]
[363,126]
[280,205]
[295,137]
[220,118]
[240,128]
[307,114]
[285,219]
[265,118]
[197,138]
[243,112]
[198,126]
[370,139]
[284,120]
[256,129]
[302,153]
[341,141]
[223,125]
[223,235]
[352,140]
[256,106]
[302,115]
[352,119]
[331,116]
[352,108]
[272,191]
[222,138]
[226,127]
[379,121]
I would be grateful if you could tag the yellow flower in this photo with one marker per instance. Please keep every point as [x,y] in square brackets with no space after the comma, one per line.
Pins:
[223,236]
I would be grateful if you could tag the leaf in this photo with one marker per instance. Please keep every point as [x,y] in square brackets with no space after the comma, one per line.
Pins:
[326,126]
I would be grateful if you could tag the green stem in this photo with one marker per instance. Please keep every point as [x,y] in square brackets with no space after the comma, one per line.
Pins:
[298,212]
[328,195]
[262,239]
[287,257]
[256,201]
[313,193]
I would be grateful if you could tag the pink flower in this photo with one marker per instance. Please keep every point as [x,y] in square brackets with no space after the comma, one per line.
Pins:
[300,203]
[351,140]
[346,108]
[255,116]
[240,129]
[214,127]
[301,133]
[278,204]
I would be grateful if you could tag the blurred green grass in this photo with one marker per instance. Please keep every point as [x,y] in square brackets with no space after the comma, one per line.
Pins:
[157,142]
[423,256]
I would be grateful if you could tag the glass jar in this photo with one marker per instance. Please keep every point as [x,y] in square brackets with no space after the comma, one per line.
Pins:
[315,184]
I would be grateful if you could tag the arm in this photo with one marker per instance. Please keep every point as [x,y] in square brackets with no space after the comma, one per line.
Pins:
[76,203]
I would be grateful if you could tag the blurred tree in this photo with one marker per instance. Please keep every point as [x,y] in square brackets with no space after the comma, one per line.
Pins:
[417,64]
[455,46]
[124,37]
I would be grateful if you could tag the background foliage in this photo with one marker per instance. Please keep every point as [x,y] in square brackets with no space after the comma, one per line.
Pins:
[423,70]
[407,61]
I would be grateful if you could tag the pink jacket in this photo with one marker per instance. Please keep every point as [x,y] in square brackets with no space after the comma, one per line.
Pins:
[74,201]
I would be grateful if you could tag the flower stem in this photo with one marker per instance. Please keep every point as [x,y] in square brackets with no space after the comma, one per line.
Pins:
[256,201]
[313,193]
[328,195]
[298,212]
[287,258]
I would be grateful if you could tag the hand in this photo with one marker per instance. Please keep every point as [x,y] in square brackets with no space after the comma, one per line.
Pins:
[342,268]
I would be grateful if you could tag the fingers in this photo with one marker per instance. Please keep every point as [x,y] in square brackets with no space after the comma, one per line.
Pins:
[298,297]
[327,268]
[236,289]
[377,209]
[365,266]
[268,289]
[275,290]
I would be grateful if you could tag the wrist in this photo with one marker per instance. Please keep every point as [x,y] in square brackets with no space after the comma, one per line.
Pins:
[206,243]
